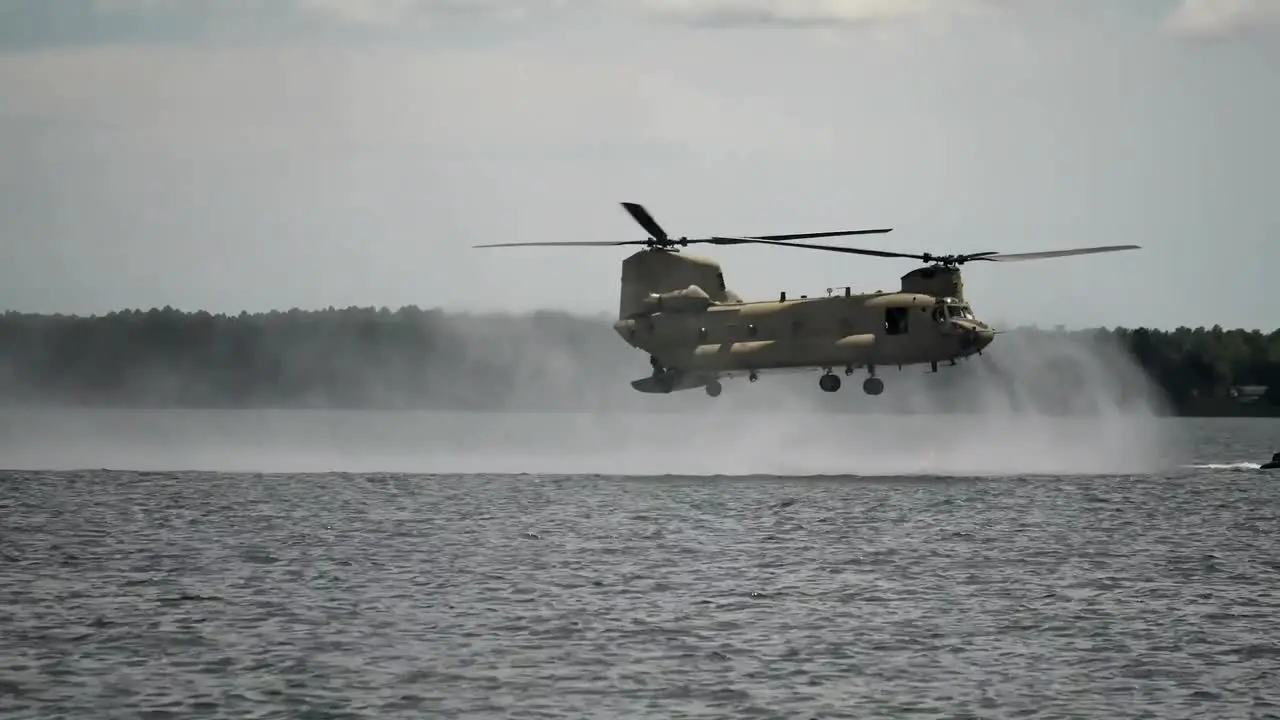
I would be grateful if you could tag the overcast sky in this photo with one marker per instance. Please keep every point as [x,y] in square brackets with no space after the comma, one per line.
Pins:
[258,154]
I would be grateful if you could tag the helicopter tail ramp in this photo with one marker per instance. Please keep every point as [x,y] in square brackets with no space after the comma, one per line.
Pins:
[669,383]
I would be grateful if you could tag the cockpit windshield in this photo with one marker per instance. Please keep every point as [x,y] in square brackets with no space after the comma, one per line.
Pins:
[961,312]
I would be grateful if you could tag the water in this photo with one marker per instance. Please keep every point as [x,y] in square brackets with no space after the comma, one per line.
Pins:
[1007,593]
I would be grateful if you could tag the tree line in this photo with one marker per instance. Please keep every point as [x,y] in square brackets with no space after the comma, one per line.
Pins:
[429,358]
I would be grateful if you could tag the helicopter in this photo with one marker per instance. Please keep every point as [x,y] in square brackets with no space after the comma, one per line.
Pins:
[697,332]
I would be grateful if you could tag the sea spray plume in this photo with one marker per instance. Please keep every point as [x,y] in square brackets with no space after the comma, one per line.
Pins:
[1047,402]
[1039,403]
[1036,402]
[1006,412]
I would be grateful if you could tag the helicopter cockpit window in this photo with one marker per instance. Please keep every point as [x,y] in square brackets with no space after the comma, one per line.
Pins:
[960,311]
[895,321]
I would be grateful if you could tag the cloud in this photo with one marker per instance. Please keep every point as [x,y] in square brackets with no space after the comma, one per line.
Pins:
[33,24]
[27,24]
[391,12]
[300,98]
[385,12]
[1209,19]
[811,13]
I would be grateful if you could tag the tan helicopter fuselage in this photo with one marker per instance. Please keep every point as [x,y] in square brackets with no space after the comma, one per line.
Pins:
[858,330]
[676,307]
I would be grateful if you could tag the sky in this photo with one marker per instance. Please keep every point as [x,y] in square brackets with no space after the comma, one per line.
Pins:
[235,155]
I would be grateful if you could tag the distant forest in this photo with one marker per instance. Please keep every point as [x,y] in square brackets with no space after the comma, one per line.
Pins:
[411,358]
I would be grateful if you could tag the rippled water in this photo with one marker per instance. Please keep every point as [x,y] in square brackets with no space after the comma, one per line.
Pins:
[189,594]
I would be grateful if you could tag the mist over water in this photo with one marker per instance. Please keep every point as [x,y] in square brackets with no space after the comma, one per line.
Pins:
[1033,404]
[1045,403]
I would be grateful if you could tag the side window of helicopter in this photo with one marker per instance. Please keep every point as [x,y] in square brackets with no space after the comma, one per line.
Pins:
[752,331]
[702,334]
[939,315]
[895,321]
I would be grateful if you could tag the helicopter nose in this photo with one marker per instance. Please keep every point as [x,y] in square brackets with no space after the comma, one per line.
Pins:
[983,337]
[974,338]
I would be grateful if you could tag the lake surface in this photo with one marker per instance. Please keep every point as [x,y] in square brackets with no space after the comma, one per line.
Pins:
[343,565]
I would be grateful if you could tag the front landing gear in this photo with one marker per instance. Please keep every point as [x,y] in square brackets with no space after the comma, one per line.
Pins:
[714,388]
[829,382]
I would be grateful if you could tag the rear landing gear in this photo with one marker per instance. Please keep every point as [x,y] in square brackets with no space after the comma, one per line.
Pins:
[872,385]
[714,388]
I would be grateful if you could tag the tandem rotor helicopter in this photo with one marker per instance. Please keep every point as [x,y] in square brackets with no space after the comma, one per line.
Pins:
[675,307]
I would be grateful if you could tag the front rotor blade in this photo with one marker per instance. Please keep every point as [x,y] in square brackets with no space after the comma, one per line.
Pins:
[810,246]
[566,243]
[642,216]
[1018,257]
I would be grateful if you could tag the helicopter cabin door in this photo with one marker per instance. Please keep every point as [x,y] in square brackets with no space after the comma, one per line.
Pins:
[897,321]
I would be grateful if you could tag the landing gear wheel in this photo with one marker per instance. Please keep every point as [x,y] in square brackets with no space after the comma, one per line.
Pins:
[714,388]
[873,386]
[829,383]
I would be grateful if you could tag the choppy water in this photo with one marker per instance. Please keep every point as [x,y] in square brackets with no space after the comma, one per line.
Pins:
[184,594]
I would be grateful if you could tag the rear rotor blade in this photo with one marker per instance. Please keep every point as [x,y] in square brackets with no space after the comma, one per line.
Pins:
[651,226]
[801,236]
[566,243]
[811,246]
[642,216]
[1018,257]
